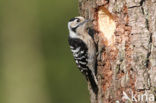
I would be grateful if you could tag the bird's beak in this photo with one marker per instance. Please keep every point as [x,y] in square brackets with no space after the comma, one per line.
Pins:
[85,22]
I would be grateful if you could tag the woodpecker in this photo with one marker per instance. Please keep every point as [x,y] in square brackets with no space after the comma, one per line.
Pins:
[83,49]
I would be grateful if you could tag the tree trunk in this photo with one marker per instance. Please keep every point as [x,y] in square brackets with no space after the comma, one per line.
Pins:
[126,41]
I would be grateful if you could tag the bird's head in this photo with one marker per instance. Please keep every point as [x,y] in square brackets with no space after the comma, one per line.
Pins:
[77,23]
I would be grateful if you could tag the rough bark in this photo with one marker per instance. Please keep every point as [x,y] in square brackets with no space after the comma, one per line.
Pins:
[126,42]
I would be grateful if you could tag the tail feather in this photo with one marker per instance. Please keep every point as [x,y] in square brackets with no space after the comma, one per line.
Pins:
[93,82]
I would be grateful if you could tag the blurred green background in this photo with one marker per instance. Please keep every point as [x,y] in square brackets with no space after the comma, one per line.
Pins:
[36,63]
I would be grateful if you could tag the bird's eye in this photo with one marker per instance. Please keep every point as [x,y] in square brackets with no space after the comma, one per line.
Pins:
[78,20]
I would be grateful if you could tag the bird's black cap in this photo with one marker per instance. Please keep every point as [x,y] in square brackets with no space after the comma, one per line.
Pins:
[72,19]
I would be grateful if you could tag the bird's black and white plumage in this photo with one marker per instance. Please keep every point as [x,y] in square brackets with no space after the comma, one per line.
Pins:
[83,49]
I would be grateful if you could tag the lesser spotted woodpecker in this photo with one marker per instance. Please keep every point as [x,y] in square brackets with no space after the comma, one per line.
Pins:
[83,49]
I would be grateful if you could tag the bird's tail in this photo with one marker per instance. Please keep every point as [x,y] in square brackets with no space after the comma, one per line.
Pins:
[93,81]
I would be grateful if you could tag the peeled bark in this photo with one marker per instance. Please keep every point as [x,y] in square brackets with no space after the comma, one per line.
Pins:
[126,41]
